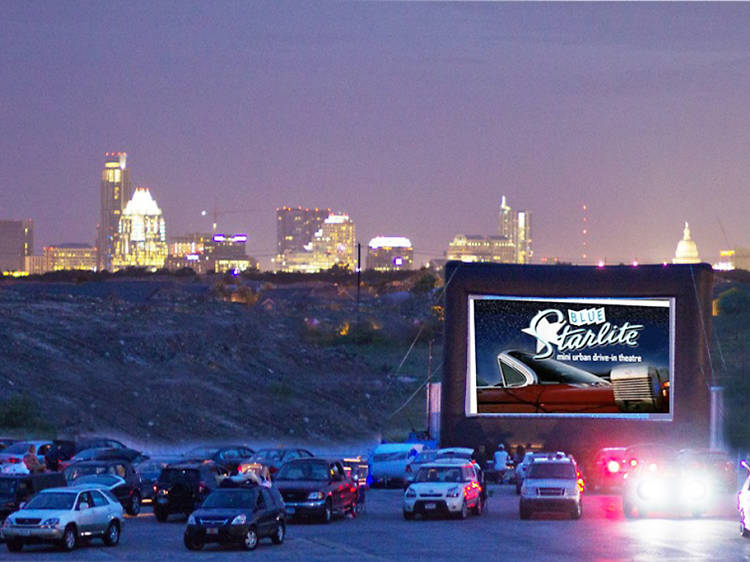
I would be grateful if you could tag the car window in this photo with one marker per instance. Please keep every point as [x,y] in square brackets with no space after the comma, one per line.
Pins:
[98,498]
[120,470]
[267,499]
[512,377]
[468,473]
[553,470]
[84,497]
[44,449]
[110,496]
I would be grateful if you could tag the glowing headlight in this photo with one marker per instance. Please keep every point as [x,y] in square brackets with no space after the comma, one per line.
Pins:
[650,490]
[191,520]
[51,522]
[571,491]
[239,520]
[694,489]
[315,496]
[410,493]
[613,466]
[453,492]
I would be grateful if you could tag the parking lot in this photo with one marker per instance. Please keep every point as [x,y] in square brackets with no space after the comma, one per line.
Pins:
[380,533]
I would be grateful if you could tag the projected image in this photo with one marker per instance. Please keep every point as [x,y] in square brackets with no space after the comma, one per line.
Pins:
[603,357]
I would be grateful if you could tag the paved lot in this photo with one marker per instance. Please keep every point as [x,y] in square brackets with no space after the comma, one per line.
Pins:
[381,534]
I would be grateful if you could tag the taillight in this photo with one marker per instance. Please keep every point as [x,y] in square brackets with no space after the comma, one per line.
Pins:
[14,460]
[613,466]
[202,487]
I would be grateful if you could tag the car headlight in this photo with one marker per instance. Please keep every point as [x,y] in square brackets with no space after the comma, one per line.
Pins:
[239,520]
[694,489]
[8,522]
[315,496]
[411,493]
[191,520]
[573,491]
[528,491]
[51,522]
[453,492]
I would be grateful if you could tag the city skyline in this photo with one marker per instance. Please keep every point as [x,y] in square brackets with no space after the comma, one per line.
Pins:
[413,118]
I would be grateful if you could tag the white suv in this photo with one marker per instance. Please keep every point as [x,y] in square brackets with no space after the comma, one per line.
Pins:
[65,516]
[446,487]
[551,484]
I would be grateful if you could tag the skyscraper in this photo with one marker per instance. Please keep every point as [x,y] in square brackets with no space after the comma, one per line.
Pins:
[335,243]
[16,243]
[141,239]
[295,229]
[116,191]
[516,228]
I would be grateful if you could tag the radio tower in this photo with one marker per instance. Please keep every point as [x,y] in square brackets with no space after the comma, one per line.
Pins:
[584,235]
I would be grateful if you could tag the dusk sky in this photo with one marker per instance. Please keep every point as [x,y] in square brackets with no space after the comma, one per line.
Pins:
[413,118]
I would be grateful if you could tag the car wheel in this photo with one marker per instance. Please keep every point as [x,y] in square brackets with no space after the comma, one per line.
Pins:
[743,530]
[408,515]
[479,508]
[353,511]
[250,540]
[278,536]
[161,515]
[69,538]
[577,511]
[112,534]
[134,505]
[191,542]
[327,512]
[15,545]
[464,513]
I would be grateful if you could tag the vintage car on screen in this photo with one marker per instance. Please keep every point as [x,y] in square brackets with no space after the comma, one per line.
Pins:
[529,385]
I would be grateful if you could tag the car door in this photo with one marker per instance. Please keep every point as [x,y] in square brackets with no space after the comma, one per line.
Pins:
[85,517]
[338,483]
[100,512]
[267,512]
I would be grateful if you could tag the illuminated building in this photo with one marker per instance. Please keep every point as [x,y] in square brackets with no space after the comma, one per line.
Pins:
[295,229]
[141,240]
[479,248]
[70,256]
[193,243]
[516,227]
[16,243]
[116,191]
[227,253]
[687,250]
[739,258]
[390,253]
[334,244]
[37,265]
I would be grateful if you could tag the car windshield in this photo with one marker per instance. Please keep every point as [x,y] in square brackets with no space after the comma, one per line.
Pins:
[393,456]
[18,448]
[52,500]
[269,455]
[233,499]
[74,472]
[439,474]
[304,471]
[551,371]
[201,452]
[425,456]
[106,479]
[552,470]
[175,475]
[7,486]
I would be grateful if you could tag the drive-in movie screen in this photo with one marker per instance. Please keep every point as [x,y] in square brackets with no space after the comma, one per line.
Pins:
[566,357]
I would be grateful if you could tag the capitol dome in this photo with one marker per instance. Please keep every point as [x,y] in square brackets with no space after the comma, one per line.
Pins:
[687,250]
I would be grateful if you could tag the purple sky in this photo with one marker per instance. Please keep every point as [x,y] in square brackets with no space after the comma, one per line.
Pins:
[413,118]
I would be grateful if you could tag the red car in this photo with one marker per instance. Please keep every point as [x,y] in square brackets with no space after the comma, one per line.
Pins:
[607,469]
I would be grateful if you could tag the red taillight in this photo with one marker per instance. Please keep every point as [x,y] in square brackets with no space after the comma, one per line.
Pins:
[581,485]
[14,460]
[155,488]
[613,466]
[202,487]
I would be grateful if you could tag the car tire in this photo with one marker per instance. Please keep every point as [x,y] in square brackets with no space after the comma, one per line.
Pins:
[192,542]
[408,515]
[161,515]
[134,505]
[577,511]
[327,513]
[523,511]
[280,534]
[464,513]
[15,545]
[69,539]
[112,534]
[250,540]
[479,508]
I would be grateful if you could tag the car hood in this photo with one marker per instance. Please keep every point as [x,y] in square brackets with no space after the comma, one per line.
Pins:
[300,485]
[41,513]
[221,513]
[434,487]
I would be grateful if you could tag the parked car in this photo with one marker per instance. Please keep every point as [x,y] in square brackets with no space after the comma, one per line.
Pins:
[607,469]
[182,487]
[149,470]
[60,454]
[743,502]
[14,453]
[65,516]
[717,464]
[523,467]
[6,442]
[105,453]
[552,483]
[444,487]
[128,492]
[274,458]
[16,489]
[388,462]
[316,488]
[239,516]
[424,456]
[227,458]
[667,485]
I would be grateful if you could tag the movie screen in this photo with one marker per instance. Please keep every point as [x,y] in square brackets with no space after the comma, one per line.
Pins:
[566,357]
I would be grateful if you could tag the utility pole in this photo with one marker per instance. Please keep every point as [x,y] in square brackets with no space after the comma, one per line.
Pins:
[429,383]
[359,270]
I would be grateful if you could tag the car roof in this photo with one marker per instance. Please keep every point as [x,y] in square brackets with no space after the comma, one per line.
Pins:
[456,450]
[553,460]
[447,463]
[398,447]
[99,462]
[70,489]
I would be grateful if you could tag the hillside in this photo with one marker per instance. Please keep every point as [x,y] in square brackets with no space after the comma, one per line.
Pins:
[173,361]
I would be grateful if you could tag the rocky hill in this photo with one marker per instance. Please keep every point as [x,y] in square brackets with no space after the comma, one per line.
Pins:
[175,361]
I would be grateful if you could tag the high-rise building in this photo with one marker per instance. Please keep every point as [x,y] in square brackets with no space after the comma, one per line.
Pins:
[334,244]
[516,227]
[16,243]
[116,191]
[69,256]
[141,239]
[390,253]
[479,248]
[295,229]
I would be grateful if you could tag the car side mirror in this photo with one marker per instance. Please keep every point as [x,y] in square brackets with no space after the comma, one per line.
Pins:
[21,505]
[82,506]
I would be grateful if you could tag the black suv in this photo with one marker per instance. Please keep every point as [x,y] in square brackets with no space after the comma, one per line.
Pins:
[182,487]
[128,491]
[18,488]
[317,488]
[241,516]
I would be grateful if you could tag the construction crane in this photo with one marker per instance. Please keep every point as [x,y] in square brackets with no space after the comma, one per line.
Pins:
[215,214]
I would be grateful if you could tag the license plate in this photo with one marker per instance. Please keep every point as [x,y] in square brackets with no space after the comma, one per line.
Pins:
[212,531]
[161,500]
[290,510]
[430,505]
[24,532]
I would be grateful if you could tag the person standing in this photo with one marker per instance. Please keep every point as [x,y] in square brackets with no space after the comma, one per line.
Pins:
[32,461]
[501,462]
